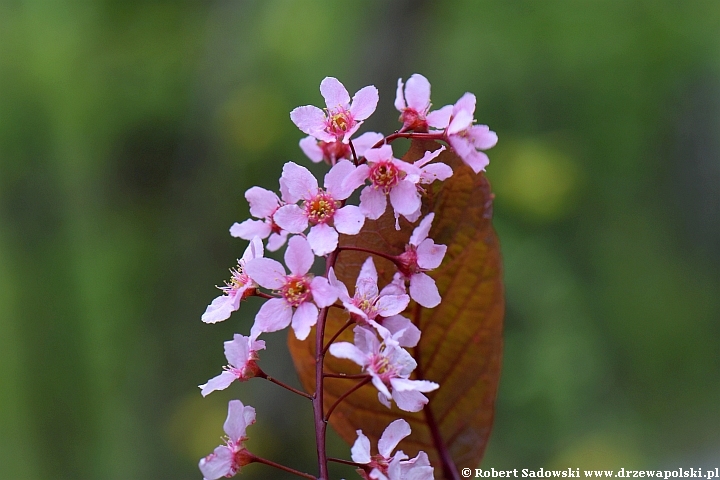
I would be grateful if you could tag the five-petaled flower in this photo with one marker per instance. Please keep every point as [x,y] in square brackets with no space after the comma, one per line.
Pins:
[388,176]
[263,204]
[389,366]
[321,207]
[386,465]
[368,305]
[299,290]
[241,354]
[239,286]
[421,255]
[341,119]
[226,460]
[414,105]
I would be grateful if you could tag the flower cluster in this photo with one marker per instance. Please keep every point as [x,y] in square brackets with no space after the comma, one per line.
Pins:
[310,219]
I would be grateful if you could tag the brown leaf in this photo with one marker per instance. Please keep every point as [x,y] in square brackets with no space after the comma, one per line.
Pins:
[461,342]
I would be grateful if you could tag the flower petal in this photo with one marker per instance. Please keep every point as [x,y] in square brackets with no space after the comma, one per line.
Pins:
[311,120]
[410,333]
[424,291]
[221,382]
[349,220]
[218,464]
[277,240]
[274,315]
[482,137]
[421,231]
[291,218]
[266,272]
[323,239]
[365,141]
[430,255]
[238,419]
[262,202]
[306,315]
[356,178]
[409,401]
[400,104]
[334,93]
[310,147]
[298,256]
[360,451]
[417,93]
[300,183]
[323,293]
[349,351]
[392,435]
[334,180]
[364,102]
[372,202]
[389,305]
[237,350]
[250,228]
[405,198]
[440,118]
[220,309]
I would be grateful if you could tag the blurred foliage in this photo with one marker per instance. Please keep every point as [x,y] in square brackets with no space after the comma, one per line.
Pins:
[129,132]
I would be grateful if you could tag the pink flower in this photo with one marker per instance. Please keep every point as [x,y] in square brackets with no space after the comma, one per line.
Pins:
[467,139]
[263,204]
[373,307]
[421,255]
[389,365]
[385,465]
[321,207]
[388,177]
[239,286]
[241,354]
[332,152]
[226,460]
[414,105]
[341,119]
[299,291]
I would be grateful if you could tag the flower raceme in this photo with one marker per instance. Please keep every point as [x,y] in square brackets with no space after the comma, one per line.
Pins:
[310,220]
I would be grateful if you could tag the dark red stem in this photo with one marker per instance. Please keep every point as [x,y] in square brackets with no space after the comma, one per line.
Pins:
[448,465]
[342,329]
[267,377]
[371,252]
[345,395]
[346,462]
[283,467]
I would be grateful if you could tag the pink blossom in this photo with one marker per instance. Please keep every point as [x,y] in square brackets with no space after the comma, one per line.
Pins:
[414,106]
[241,354]
[263,204]
[227,460]
[388,177]
[341,119]
[321,207]
[389,366]
[239,286]
[368,305]
[386,465]
[332,152]
[298,290]
[467,139]
[421,255]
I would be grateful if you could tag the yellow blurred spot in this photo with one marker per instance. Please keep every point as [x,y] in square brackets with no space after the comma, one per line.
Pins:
[535,177]
[250,118]
[600,452]
[194,427]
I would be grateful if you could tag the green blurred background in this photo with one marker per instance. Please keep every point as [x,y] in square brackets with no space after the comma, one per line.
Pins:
[129,132]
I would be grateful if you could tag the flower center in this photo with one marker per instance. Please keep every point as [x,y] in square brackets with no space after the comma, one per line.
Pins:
[382,367]
[296,290]
[384,175]
[367,305]
[238,280]
[408,261]
[339,122]
[321,208]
